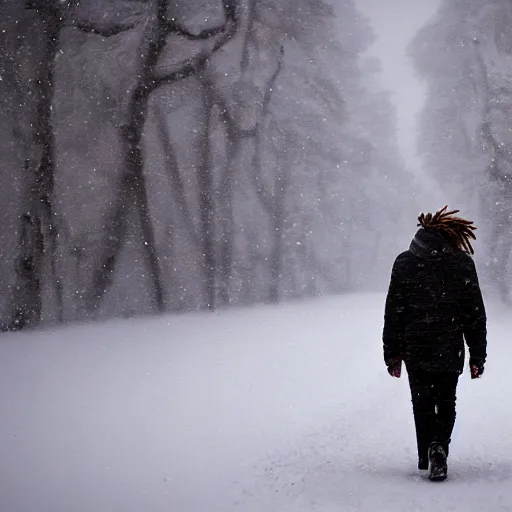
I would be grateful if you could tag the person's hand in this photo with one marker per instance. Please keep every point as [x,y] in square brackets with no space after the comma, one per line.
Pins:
[476,366]
[395,367]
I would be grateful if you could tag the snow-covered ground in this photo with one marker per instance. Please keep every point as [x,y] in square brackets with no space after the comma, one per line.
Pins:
[284,408]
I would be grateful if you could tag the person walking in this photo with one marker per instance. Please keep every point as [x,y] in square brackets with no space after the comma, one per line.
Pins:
[433,304]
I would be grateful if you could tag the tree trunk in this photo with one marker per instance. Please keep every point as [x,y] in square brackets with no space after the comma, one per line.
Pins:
[39,231]
[206,206]
[225,200]
[276,258]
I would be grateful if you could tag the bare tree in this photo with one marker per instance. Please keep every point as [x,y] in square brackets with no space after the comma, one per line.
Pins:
[39,229]
[132,188]
[206,154]
[467,116]
[272,198]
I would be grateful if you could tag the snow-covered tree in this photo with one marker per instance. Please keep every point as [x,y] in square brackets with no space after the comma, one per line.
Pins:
[179,155]
[465,53]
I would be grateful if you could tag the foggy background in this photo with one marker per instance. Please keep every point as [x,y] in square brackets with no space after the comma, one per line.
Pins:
[395,24]
[168,157]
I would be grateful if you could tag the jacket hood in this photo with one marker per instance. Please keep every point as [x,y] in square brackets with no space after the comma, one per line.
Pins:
[431,244]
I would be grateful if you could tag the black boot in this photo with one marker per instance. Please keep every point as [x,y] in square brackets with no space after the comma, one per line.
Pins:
[438,467]
[442,428]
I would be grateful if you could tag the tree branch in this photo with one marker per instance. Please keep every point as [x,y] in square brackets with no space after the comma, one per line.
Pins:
[89,28]
[132,184]
[172,26]
[174,174]
[267,198]
[196,64]
[268,93]
[244,64]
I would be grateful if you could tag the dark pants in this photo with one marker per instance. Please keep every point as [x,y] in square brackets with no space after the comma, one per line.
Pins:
[433,402]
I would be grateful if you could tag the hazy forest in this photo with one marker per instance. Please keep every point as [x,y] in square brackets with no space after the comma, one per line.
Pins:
[166,156]
[465,135]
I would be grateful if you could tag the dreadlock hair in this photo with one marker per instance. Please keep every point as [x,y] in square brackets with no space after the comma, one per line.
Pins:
[458,230]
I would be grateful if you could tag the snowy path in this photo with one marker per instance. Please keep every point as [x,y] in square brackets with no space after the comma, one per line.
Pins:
[270,409]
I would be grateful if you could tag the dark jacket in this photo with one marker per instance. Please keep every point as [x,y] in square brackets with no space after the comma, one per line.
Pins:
[434,303]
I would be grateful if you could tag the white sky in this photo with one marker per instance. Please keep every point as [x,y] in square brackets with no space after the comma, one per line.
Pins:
[395,23]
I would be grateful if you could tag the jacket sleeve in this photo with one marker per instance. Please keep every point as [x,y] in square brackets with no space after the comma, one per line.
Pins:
[393,333]
[475,320]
